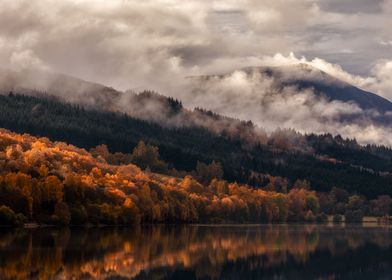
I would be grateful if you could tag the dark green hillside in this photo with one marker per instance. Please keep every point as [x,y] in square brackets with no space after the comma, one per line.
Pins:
[183,147]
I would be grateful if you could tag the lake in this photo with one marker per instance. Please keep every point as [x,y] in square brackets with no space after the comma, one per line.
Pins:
[198,252]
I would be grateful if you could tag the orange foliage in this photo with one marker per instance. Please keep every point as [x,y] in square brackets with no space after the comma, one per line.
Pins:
[62,183]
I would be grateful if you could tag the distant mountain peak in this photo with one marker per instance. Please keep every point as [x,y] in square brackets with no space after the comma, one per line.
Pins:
[304,76]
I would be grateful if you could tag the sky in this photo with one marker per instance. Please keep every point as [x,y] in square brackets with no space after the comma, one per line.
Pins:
[156,44]
[132,43]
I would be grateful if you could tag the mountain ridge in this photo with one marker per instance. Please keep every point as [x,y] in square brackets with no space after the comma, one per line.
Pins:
[168,111]
[305,76]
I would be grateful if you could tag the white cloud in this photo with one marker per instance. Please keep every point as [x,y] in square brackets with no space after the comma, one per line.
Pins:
[26,60]
[383,74]
[155,44]
[262,99]
[133,43]
[379,80]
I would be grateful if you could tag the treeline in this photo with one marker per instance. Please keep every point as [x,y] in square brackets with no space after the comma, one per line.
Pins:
[338,202]
[147,157]
[353,207]
[324,161]
[55,183]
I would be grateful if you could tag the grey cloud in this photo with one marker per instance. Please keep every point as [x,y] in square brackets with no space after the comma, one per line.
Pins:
[352,6]
[262,99]
[129,43]
[155,44]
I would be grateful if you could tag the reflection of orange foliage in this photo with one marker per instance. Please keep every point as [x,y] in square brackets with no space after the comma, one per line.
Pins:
[204,249]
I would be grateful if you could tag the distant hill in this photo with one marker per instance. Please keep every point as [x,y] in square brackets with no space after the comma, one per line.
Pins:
[305,77]
[169,111]
[146,105]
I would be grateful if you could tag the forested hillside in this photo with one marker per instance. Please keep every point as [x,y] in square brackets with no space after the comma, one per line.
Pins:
[324,161]
[56,183]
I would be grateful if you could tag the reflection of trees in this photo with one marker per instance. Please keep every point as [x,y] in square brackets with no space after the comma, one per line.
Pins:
[99,253]
[353,237]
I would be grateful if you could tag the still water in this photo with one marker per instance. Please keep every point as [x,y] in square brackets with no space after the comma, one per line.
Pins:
[198,252]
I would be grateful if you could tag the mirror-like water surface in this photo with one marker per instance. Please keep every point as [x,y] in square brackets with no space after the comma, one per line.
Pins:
[198,252]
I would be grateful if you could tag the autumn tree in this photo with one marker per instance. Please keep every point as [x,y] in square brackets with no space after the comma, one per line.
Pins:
[191,185]
[24,184]
[74,189]
[302,184]
[282,205]
[130,213]
[62,213]
[277,184]
[219,187]
[147,156]
[205,173]
[301,201]
[101,150]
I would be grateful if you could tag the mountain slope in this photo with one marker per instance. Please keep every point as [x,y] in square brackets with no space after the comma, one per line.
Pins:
[298,97]
[67,88]
[185,137]
[293,96]
[146,105]
[330,161]
[305,76]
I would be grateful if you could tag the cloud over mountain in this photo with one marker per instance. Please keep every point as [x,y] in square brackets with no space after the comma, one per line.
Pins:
[130,44]
[156,44]
[295,96]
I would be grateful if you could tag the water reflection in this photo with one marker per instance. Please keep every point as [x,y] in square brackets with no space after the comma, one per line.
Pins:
[198,252]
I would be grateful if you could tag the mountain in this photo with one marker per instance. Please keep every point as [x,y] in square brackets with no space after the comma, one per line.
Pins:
[146,105]
[291,95]
[305,76]
[169,111]
[71,89]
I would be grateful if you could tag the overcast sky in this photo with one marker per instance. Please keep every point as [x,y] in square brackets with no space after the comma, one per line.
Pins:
[133,43]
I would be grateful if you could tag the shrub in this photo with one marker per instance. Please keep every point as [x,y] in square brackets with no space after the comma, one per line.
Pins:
[312,203]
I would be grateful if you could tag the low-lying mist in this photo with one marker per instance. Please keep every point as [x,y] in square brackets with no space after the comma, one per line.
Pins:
[271,104]
[249,94]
